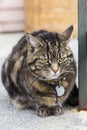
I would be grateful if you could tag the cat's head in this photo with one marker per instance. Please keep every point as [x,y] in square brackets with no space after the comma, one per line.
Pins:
[49,59]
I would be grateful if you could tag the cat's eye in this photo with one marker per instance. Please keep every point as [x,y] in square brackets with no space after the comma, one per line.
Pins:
[44,60]
[62,59]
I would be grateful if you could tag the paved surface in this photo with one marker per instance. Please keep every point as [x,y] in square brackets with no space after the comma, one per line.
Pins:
[13,119]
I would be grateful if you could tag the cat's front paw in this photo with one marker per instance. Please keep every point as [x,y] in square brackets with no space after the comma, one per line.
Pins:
[43,111]
[56,110]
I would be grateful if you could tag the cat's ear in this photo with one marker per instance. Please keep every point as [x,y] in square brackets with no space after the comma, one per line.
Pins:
[32,41]
[66,35]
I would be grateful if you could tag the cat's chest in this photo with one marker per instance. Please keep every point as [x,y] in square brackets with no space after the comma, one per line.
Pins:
[57,89]
[49,94]
[54,90]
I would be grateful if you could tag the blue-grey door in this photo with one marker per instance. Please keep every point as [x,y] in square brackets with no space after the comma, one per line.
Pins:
[82,37]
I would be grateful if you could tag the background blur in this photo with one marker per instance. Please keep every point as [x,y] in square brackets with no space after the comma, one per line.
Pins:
[30,15]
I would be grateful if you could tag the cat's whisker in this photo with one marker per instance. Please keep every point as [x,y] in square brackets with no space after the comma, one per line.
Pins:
[64,73]
[68,71]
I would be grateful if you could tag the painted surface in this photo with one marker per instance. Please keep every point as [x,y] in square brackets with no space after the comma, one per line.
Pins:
[82,15]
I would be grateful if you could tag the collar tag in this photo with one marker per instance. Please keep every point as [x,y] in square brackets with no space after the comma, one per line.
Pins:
[60,90]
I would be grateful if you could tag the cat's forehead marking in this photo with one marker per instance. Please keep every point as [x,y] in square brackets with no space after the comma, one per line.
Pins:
[53,46]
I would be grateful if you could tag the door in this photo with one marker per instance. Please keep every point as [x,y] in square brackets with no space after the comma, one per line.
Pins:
[82,37]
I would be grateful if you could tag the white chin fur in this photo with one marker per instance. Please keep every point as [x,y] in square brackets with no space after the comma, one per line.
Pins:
[53,76]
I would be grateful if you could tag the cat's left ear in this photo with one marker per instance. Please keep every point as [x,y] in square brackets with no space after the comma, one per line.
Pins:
[33,41]
[66,35]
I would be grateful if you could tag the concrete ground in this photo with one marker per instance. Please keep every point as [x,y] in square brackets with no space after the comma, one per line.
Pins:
[13,119]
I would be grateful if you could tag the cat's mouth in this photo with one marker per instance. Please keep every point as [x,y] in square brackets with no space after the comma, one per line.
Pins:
[52,77]
[57,76]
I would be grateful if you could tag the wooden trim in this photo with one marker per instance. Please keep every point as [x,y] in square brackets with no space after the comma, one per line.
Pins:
[11,8]
[12,31]
[82,108]
[11,22]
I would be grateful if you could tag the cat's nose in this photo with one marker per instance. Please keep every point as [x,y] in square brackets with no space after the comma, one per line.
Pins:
[54,67]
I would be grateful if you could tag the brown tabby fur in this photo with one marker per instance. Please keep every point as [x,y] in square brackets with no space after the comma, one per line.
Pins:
[38,63]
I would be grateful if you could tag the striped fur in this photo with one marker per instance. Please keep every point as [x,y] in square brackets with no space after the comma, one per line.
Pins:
[37,64]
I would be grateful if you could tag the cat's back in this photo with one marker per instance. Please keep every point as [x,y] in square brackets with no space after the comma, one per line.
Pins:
[46,35]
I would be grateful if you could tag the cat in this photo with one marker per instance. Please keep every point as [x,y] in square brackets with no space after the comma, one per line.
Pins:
[40,72]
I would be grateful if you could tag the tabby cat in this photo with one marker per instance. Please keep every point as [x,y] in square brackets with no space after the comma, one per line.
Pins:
[40,72]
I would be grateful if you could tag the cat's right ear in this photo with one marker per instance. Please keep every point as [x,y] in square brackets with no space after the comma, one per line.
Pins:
[66,35]
[33,41]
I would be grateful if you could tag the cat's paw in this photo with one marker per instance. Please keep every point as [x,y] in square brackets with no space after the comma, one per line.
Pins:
[43,111]
[47,111]
[56,111]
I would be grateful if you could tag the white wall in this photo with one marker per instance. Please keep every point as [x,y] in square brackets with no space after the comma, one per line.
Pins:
[11,15]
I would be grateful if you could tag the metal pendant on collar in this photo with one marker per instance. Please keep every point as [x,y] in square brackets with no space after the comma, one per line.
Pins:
[60,90]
